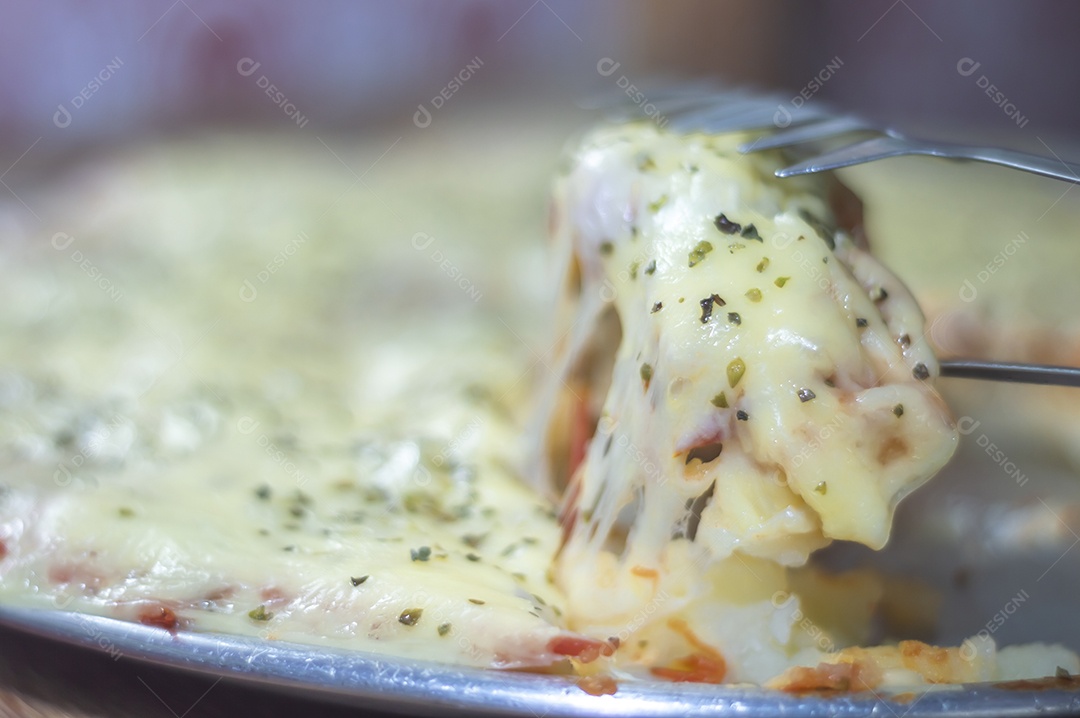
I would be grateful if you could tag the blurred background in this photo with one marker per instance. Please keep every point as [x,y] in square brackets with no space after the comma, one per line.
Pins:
[76,73]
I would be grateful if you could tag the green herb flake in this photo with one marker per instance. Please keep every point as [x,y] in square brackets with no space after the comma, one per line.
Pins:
[726,226]
[606,248]
[375,495]
[720,401]
[646,374]
[410,616]
[656,206]
[263,493]
[633,269]
[781,281]
[762,265]
[735,371]
[734,318]
[651,269]
[821,488]
[700,250]
[754,295]
[472,557]
[420,554]
[125,512]
[443,629]
[357,580]
[473,540]
[707,306]
[260,614]
[476,601]
[898,410]
[820,226]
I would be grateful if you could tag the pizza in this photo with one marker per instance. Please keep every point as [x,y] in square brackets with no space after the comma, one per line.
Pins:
[273,419]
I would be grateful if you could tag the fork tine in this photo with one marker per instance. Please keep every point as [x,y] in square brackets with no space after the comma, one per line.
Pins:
[810,132]
[1009,371]
[854,154]
[719,116]
[753,113]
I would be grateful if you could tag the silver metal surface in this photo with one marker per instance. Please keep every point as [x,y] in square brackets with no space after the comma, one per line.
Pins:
[896,145]
[812,132]
[717,109]
[1011,372]
[423,688]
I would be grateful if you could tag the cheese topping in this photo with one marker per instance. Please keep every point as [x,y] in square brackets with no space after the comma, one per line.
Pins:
[258,422]
[771,388]
[254,432]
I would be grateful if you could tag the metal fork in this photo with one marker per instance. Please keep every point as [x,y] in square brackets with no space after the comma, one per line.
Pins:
[702,107]
[1011,372]
[705,107]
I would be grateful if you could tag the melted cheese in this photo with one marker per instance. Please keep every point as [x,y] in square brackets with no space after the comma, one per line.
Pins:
[242,464]
[286,419]
[771,390]
[334,535]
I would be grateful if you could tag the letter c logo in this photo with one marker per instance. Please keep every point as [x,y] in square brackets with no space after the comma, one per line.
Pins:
[61,118]
[967,67]
[247,66]
[248,292]
[781,599]
[965,425]
[62,476]
[968,292]
[607,66]
[422,117]
[782,117]
[246,425]
[421,241]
